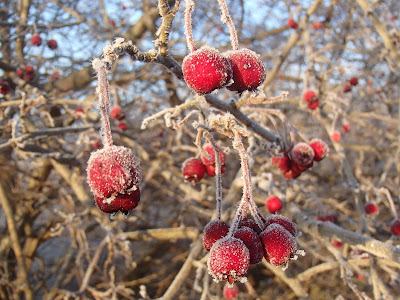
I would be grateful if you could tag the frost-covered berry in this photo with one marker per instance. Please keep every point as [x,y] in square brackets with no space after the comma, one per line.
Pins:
[283,221]
[206,70]
[251,224]
[273,204]
[279,244]
[211,159]
[282,163]
[210,169]
[117,113]
[120,202]
[36,40]
[248,70]
[231,291]
[52,44]
[302,154]
[193,169]
[213,231]
[229,260]
[395,227]
[252,241]
[320,149]
[371,208]
[113,170]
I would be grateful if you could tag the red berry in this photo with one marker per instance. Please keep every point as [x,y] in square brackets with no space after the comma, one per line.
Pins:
[211,160]
[113,170]
[329,218]
[369,82]
[4,87]
[320,149]
[353,81]
[291,23]
[117,113]
[252,241]
[121,202]
[52,44]
[279,244]
[282,163]
[20,73]
[392,18]
[302,154]
[335,136]
[273,204]
[395,227]
[213,231]
[122,126]
[283,221]
[251,224]
[346,88]
[231,291]
[337,244]
[248,70]
[206,70]
[346,127]
[210,169]
[229,259]
[112,22]
[79,112]
[123,7]
[104,206]
[313,104]
[36,40]
[318,25]
[29,69]
[371,208]
[309,95]
[193,169]
[294,172]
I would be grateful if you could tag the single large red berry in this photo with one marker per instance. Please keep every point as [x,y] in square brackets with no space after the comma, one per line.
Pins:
[248,70]
[36,40]
[395,227]
[229,259]
[193,169]
[291,23]
[309,95]
[4,87]
[371,208]
[279,244]
[302,154]
[211,159]
[117,113]
[231,291]
[206,70]
[320,149]
[282,163]
[213,231]
[273,204]
[113,170]
[52,44]
[283,221]
[353,81]
[252,241]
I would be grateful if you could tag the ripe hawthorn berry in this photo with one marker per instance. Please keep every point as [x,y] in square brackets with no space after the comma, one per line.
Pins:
[371,208]
[353,81]
[122,126]
[211,159]
[4,87]
[291,23]
[346,127]
[29,69]
[213,231]
[313,104]
[336,136]
[20,73]
[251,224]
[346,88]
[116,113]
[252,241]
[229,260]
[283,221]
[36,40]
[283,163]
[309,95]
[231,291]
[320,149]
[273,204]
[193,169]
[206,70]
[395,227]
[248,70]
[302,154]
[121,202]
[52,44]
[210,169]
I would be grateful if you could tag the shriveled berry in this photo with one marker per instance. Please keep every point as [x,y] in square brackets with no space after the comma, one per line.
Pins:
[252,241]
[273,204]
[248,70]
[336,136]
[231,291]
[117,113]
[113,170]
[52,44]
[302,154]
[291,23]
[193,169]
[36,40]
[283,221]
[282,163]
[213,231]
[211,159]
[229,260]
[210,169]
[371,208]
[395,227]
[353,81]
[279,244]
[320,149]
[206,70]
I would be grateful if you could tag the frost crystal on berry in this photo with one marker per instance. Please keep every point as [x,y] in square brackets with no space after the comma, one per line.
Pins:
[193,169]
[302,154]
[283,221]
[252,241]
[213,231]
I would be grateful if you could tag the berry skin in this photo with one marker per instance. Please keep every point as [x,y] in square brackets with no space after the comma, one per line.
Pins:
[283,221]
[353,81]
[116,113]
[229,259]
[346,88]
[309,96]
[251,224]
[230,291]
[122,126]
[320,149]
[313,104]
[4,87]
[211,160]
[210,169]
[395,227]
[252,241]
[335,136]
[29,69]
[193,169]
[282,163]
[346,127]
[36,40]
[291,23]
[20,73]
[273,204]
[337,244]
[318,25]
[371,208]
[248,70]
[213,231]
[121,202]
[206,70]
[52,44]
[96,144]
[302,154]
[113,170]
[294,172]
[279,244]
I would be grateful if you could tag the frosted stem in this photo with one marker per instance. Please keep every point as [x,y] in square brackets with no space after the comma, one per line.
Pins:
[189,7]
[226,19]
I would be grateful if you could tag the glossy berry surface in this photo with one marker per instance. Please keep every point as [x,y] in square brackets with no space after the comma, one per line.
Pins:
[320,149]
[302,154]
[273,204]
[36,40]
[213,231]
[206,70]
[193,169]
[113,170]
[231,291]
[283,221]
[117,113]
[371,208]
[229,260]
[395,227]
[52,44]
[248,70]
[252,241]
[210,160]
[279,244]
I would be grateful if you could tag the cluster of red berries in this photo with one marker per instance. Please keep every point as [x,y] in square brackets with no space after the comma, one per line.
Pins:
[26,74]
[300,158]
[311,99]
[206,70]
[353,82]
[117,114]
[4,87]
[194,169]
[36,40]
[232,254]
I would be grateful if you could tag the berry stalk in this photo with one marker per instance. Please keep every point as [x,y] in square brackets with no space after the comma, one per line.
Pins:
[189,7]
[226,19]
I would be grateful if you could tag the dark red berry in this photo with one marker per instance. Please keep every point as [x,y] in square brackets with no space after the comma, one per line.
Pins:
[346,88]
[346,127]
[52,44]
[353,81]
[273,204]
[395,227]
[4,87]
[117,113]
[252,241]
[20,73]
[313,104]
[206,70]
[309,95]
[251,224]
[36,40]
[283,221]
[231,291]
[282,163]
[29,69]
[291,23]
[193,169]
[371,208]
[302,154]
[337,244]
[320,149]
[120,202]
[213,231]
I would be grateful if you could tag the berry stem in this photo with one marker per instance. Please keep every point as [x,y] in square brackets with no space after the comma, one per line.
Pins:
[189,7]
[226,19]
[104,102]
